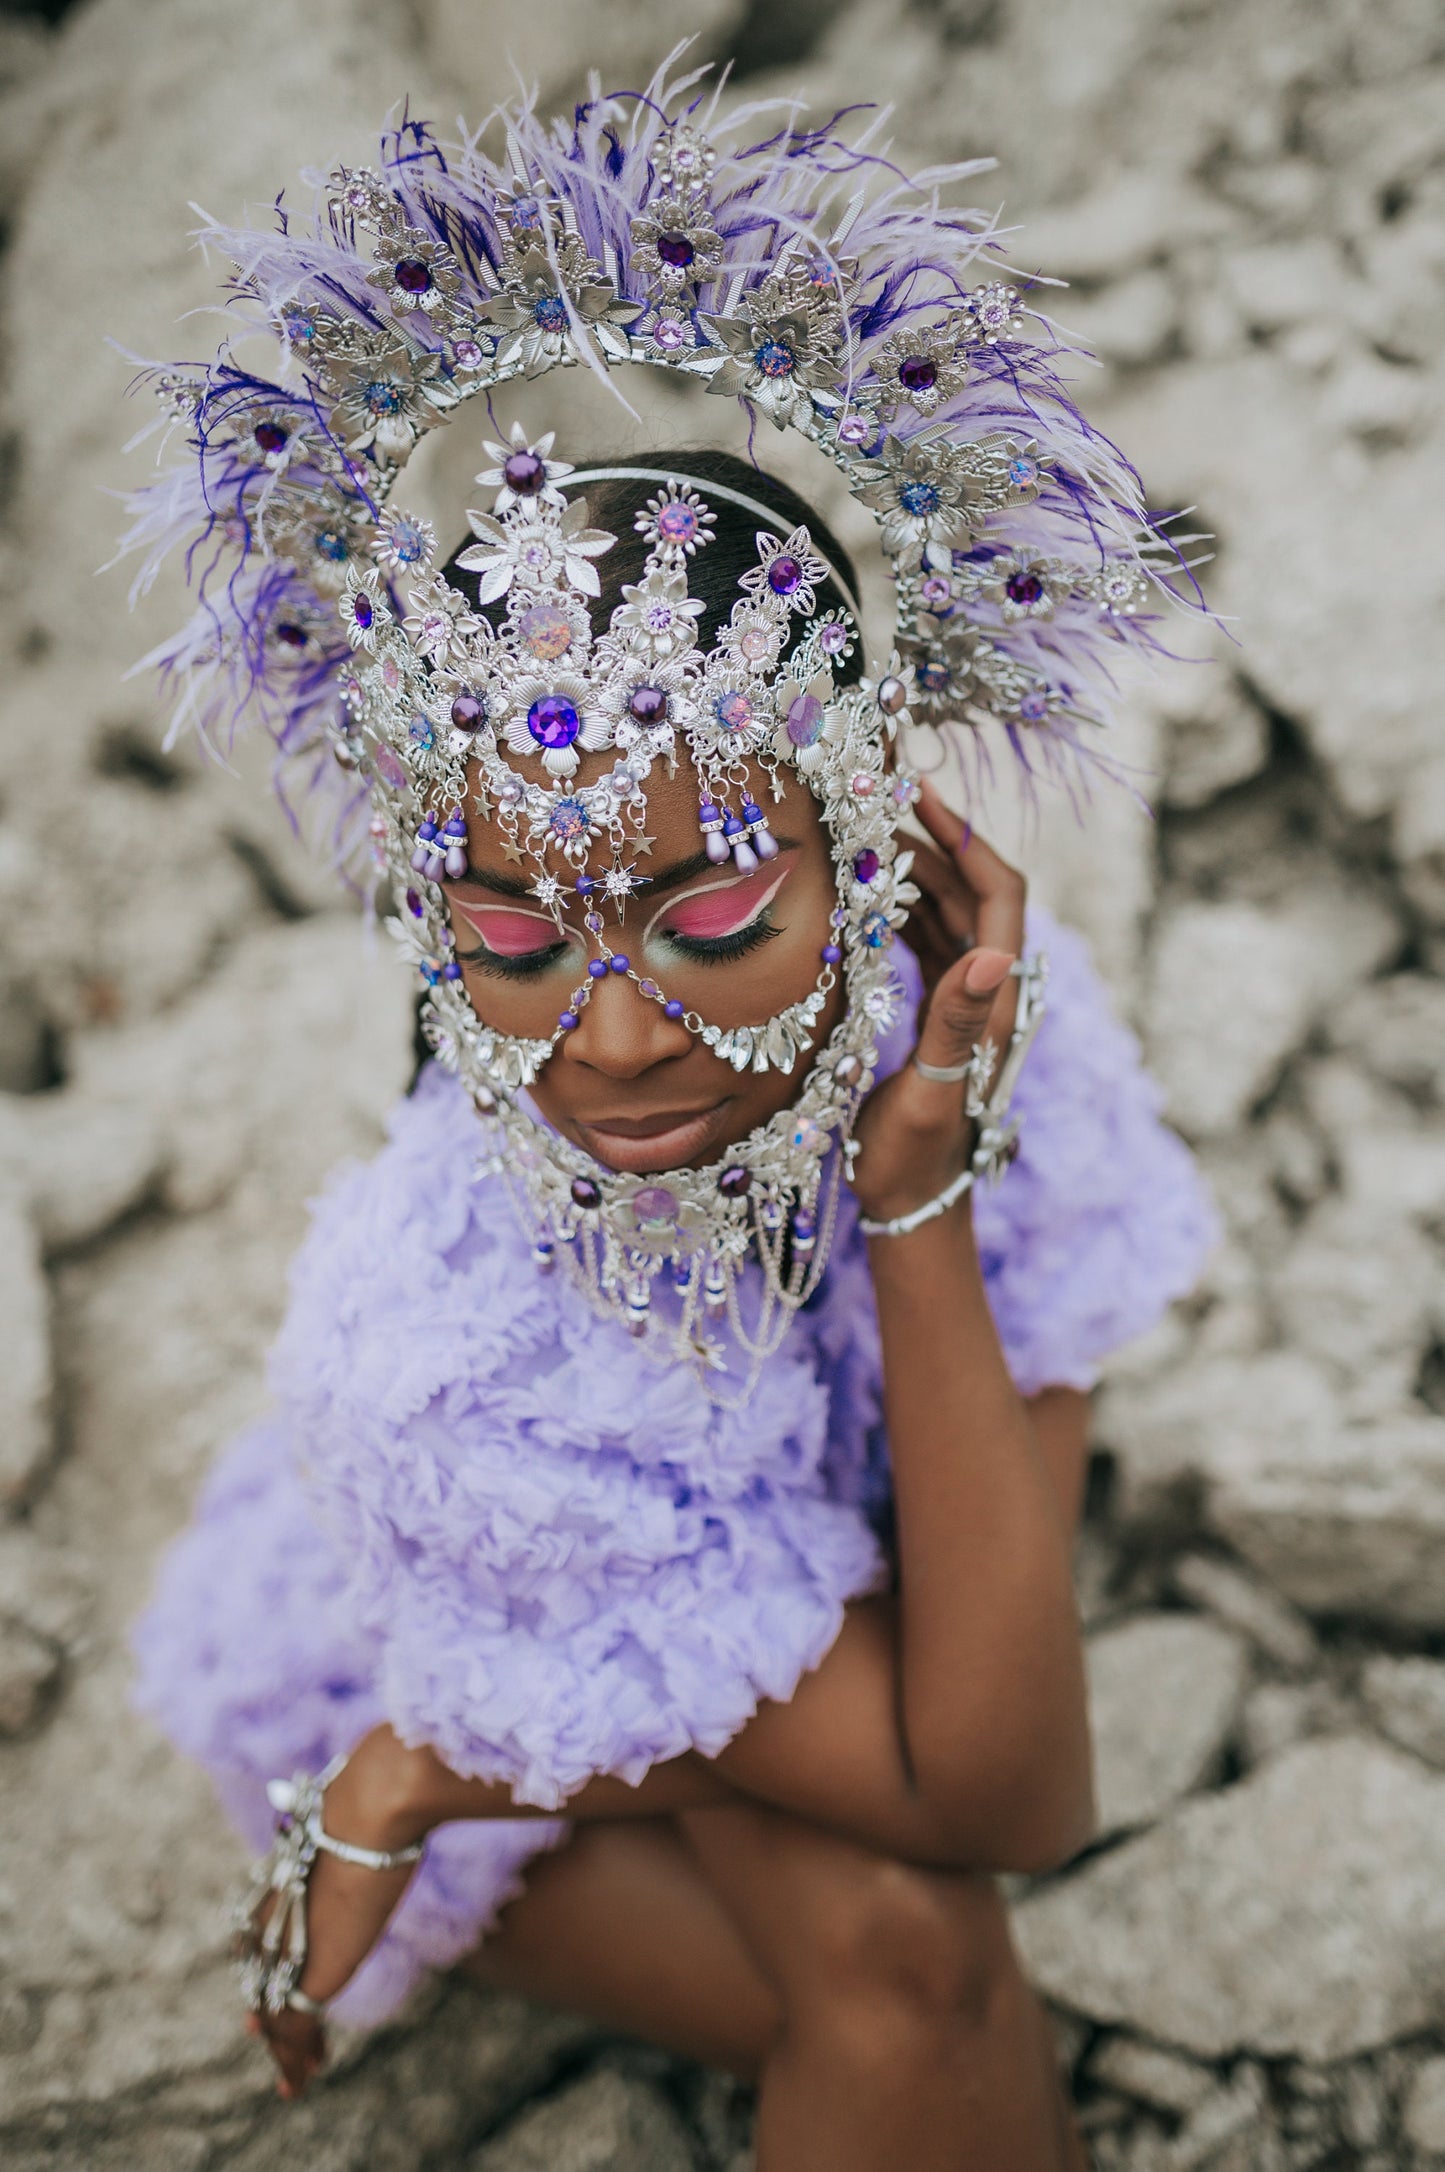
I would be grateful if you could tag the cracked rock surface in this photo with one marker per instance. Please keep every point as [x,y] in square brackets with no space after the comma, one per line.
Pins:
[1248,199]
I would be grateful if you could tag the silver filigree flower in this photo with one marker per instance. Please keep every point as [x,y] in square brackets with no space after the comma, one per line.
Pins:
[658,611]
[413,272]
[536,553]
[775,358]
[523,472]
[922,492]
[390,394]
[544,320]
[921,366]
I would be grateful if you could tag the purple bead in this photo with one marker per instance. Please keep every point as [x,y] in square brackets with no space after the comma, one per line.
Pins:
[785,575]
[1023,588]
[647,704]
[865,864]
[654,1203]
[362,612]
[597,968]
[672,1008]
[585,1193]
[469,712]
[735,1181]
[585,886]
[619,961]
[524,473]
[451,970]
[414,905]
[553,721]
[412,276]
[270,436]
[917,373]
[831,954]
[567,1020]
[455,862]
[804,1227]
[676,250]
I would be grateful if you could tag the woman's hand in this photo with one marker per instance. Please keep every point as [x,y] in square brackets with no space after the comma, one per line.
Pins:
[967,929]
[371,1803]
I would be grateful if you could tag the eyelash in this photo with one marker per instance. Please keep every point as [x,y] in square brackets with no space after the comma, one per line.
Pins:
[719,949]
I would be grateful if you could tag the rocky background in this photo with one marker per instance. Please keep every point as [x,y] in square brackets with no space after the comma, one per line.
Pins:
[1248,197]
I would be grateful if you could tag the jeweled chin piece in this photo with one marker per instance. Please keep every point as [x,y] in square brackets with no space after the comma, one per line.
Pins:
[799,275]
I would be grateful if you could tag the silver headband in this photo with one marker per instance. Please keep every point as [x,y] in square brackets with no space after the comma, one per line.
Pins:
[778,522]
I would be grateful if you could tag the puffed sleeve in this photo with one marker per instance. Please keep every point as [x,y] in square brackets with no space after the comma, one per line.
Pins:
[1103,1219]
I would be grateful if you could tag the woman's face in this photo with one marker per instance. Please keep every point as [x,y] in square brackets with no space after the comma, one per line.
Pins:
[632,1087]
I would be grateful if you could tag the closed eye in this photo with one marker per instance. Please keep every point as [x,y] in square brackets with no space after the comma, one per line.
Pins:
[515,944]
[720,919]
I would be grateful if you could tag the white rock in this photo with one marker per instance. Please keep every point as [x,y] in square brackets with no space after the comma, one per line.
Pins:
[1278,1629]
[1216,735]
[1226,2115]
[606,2122]
[1422,2116]
[25,1376]
[1276,1715]
[28,1669]
[1406,1700]
[1300,1913]
[1151,2075]
[1128,324]
[1132,220]
[1170,1434]
[1362,1295]
[1164,1690]
[1235,988]
[1277,283]
[1395,1028]
[84,1161]
[1347,1520]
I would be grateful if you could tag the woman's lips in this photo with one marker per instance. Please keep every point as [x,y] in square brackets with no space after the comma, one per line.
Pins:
[642,1145]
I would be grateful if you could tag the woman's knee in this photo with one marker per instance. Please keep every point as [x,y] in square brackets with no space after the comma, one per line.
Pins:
[883,1937]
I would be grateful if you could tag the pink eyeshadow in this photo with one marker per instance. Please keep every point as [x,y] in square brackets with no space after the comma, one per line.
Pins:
[510,934]
[723,910]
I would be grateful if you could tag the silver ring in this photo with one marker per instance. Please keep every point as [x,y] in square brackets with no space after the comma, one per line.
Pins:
[945,1074]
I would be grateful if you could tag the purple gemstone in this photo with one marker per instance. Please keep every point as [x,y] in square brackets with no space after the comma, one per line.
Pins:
[270,436]
[676,250]
[672,1008]
[362,612]
[412,276]
[294,637]
[917,373]
[805,721]
[865,864]
[655,1203]
[1034,706]
[414,904]
[1023,587]
[855,430]
[735,1181]
[469,712]
[833,637]
[525,473]
[389,769]
[553,721]
[647,704]
[585,1193]
[831,954]
[785,575]
[568,1021]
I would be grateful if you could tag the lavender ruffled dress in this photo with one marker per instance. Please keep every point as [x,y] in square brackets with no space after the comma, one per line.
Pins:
[485,1514]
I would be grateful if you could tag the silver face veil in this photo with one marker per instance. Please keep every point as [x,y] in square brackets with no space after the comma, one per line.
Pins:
[1021,557]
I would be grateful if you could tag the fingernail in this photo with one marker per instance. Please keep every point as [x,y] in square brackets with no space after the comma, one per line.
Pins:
[986,970]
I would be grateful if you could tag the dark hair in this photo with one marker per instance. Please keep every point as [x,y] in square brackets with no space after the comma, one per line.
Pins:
[713,575]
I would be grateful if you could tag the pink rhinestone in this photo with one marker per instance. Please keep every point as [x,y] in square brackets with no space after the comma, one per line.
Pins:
[755,644]
[390,675]
[862,785]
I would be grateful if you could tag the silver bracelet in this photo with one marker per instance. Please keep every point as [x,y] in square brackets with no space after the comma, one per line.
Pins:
[901,1224]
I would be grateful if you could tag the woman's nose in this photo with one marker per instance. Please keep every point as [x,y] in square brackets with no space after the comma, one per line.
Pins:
[621,1031]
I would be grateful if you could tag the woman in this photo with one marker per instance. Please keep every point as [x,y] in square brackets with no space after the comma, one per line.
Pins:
[667,1468]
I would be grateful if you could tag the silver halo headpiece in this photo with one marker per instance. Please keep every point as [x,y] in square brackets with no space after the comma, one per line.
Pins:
[801,276]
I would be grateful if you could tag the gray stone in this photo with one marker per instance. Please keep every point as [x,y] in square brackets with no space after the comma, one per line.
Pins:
[1216,736]
[84,1160]
[1278,1714]
[1389,1158]
[25,1376]
[1309,1900]
[1163,2079]
[1164,1690]
[29,1667]
[1226,2115]
[1278,1629]
[1395,1028]
[1171,1434]
[1422,2116]
[607,2122]
[1345,1521]
[1363,1296]
[1406,1700]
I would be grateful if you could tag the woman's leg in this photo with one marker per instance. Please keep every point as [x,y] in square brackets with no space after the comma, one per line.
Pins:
[622,1924]
[909,2035]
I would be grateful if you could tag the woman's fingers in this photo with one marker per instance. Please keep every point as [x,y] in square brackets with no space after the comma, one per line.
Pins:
[960,1012]
[996,892]
[297,2043]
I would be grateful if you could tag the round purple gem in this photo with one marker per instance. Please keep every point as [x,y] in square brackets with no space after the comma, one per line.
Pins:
[785,575]
[1023,587]
[362,612]
[414,904]
[469,712]
[865,864]
[647,704]
[568,1020]
[389,769]
[585,1193]
[553,721]
[918,373]
[270,436]
[525,473]
[735,1181]
[412,276]
[655,1203]
[831,954]
[675,249]
[549,313]
[619,961]
[775,358]
[833,637]
[918,498]
[293,636]
[672,1008]
[805,721]
[597,968]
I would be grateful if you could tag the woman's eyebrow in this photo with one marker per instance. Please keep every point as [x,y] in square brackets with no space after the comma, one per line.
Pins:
[509,885]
